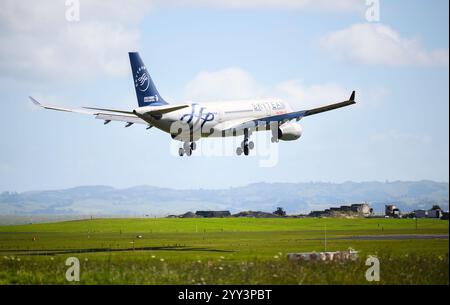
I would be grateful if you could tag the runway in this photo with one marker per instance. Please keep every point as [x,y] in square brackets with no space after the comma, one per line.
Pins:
[393,237]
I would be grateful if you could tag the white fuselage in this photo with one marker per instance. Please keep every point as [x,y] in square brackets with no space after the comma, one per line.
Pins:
[212,118]
[188,122]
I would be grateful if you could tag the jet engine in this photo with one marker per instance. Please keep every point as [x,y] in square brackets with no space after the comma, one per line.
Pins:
[289,131]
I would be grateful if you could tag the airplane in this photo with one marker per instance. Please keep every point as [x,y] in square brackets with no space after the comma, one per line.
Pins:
[189,122]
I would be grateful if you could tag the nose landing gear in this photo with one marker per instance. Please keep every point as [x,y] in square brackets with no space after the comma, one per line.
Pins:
[188,148]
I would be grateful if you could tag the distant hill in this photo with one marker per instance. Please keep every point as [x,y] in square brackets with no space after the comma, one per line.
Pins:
[155,201]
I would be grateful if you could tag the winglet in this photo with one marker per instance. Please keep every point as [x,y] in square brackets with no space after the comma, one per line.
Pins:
[47,106]
[34,101]
[352,97]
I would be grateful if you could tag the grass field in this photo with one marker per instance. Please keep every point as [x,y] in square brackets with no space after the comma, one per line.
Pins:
[222,251]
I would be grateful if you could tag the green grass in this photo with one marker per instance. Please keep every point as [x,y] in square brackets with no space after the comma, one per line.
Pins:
[220,251]
[192,225]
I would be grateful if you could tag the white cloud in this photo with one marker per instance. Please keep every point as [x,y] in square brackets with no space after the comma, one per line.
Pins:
[36,40]
[378,44]
[229,83]
[326,5]
[236,83]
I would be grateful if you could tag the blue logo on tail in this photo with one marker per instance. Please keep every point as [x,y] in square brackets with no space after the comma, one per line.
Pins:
[146,92]
[141,79]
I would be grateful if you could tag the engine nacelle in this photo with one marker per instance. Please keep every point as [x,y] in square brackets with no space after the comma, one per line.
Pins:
[289,131]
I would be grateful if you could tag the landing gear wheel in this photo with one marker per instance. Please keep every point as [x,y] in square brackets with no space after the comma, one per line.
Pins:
[189,152]
[239,151]
[273,140]
[193,146]
[186,146]
[251,145]
[181,152]
[246,150]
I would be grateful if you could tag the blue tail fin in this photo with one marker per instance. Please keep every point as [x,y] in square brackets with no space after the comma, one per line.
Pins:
[146,92]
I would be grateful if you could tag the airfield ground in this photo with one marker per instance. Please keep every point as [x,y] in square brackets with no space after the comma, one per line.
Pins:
[223,251]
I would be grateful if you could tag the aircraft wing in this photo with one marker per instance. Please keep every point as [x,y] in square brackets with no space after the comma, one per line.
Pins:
[349,102]
[282,118]
[107,115]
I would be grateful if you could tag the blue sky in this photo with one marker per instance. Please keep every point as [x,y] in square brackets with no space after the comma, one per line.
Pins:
[300,51]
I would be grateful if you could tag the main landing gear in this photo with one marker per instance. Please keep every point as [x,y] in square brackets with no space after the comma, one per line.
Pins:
[246,145]
[188,148]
